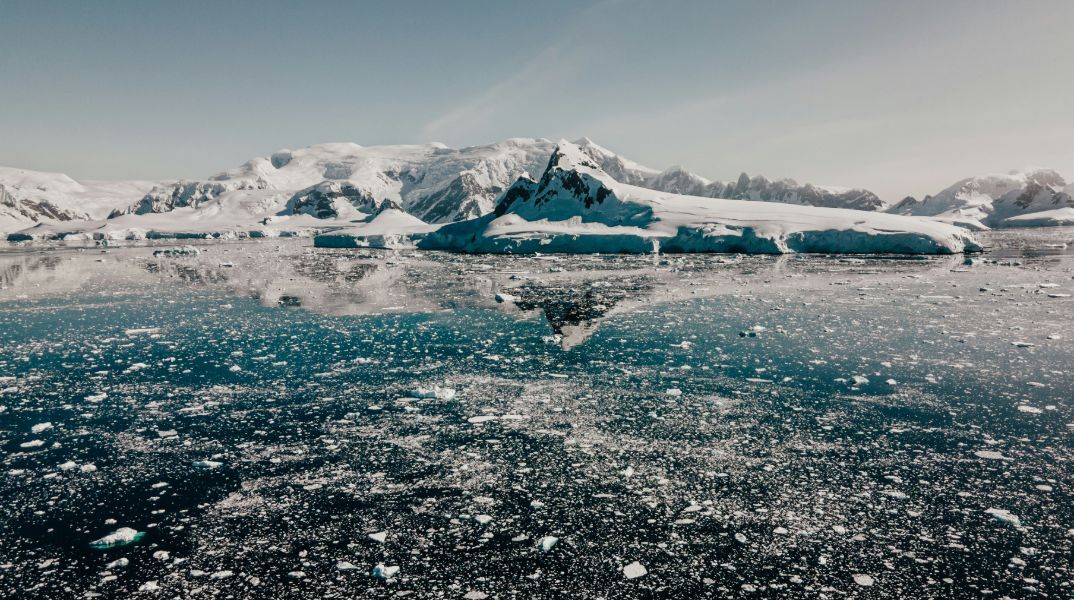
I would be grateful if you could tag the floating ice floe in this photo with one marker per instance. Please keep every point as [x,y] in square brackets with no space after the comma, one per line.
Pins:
[547,543]
[378,537]
[207,464]
[140,331]
[863,580]
[437,392]
[385,572]
[41,427]
[1004,516]
[124,536]
[634,570]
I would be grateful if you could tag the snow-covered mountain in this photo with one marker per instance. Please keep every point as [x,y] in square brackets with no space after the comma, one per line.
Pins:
[332,181]
[678,180]
[1033,197]
[30,197]
[334,185]
[577,207]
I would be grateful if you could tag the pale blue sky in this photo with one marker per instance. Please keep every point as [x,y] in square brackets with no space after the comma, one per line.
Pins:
[900,97]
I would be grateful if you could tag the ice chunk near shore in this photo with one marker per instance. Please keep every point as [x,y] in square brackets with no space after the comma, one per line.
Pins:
[124,536]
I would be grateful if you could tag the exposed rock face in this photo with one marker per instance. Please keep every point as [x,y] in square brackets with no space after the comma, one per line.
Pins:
[788,191]
[321,201]
[996,200]
[464,197]
[184,194]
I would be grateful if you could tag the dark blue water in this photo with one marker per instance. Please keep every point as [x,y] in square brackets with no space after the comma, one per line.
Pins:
[699,416]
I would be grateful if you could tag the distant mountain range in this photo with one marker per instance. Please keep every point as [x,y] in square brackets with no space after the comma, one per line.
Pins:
[333,184]
[1020,199]
[575,206]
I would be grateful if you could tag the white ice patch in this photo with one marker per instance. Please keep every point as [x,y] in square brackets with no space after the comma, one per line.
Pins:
[634,570]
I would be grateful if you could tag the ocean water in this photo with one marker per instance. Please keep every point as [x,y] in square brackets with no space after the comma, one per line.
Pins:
[531,426]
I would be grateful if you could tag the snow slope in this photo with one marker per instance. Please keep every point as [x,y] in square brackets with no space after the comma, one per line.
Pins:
[389,227]
[30,197]
[1012,200]
[577,207]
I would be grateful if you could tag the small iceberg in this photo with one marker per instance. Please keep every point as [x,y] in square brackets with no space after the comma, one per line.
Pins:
[124,536]
[385,572]
[436,392]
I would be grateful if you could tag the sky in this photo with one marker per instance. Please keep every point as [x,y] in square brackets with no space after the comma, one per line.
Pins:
[898,97]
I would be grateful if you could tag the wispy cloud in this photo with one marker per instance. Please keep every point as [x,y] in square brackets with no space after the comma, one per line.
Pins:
[553,65]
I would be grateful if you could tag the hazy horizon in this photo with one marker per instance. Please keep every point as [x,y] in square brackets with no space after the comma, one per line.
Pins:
[902,99]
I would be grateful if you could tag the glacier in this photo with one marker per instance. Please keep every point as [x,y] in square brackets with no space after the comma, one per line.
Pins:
[576,207]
